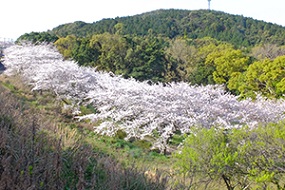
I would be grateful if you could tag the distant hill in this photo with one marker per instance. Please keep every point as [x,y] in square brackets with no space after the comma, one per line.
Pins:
[199,47]
[235,29]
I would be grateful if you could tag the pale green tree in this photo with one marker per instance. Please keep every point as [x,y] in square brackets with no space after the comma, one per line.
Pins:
[228,62]
[266,77]
[207,155]
[66,45]
[112,49]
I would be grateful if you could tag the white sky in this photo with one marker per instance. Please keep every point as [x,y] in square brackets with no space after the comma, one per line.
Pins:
[24,16]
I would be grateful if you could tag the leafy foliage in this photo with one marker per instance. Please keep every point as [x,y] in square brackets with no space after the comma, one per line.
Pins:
[265,76]
[235,29]
[38,37]
[241,158]
[201,61]
[138,57]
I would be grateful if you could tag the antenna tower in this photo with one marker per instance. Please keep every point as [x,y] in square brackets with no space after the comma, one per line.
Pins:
[209,4]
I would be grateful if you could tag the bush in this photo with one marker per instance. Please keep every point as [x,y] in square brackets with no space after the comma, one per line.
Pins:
[239,157]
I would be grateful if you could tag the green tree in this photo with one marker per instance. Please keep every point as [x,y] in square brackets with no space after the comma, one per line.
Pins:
[202,74]
[200,71]
[237,85]
[227,62]
[266,77]
[66,45]
[274,74]
[207,155]
[112,49]
[262,152]
[146,59]
[180,52]
[242,158]
[38,37]
[254,80]
[83,53]
[119,28]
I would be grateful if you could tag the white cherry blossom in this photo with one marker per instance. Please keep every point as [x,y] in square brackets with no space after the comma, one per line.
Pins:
[135,107]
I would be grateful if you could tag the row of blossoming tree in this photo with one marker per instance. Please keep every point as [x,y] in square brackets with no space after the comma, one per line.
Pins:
[142,111]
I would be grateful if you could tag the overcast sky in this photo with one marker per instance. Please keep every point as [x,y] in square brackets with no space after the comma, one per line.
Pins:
[24,16]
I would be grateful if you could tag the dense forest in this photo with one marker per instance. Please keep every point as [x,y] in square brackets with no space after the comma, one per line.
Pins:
[198,47]
[235,29]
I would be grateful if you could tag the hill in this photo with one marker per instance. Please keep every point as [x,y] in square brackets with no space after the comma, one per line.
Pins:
[197,47]
[235,29]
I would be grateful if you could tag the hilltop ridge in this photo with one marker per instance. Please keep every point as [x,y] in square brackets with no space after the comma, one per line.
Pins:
[236,29]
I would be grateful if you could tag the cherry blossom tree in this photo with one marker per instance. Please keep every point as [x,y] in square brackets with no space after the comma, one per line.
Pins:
[137,108]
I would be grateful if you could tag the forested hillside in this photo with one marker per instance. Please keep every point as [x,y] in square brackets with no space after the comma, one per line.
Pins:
[235,29]
[198,47]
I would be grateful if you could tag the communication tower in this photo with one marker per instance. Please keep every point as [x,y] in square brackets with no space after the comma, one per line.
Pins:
[209,4]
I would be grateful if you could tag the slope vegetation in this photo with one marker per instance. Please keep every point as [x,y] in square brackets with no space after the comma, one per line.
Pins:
[235,29]
[197,47]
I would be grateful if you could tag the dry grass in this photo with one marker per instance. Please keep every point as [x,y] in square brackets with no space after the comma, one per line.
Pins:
[38,153]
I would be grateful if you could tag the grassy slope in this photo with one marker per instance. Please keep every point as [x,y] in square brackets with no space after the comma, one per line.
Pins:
[91,157]
[44,148]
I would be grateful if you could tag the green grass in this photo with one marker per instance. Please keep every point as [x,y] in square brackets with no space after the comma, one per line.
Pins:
[88,109]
